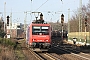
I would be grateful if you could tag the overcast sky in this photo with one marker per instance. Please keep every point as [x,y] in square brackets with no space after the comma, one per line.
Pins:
[55,7]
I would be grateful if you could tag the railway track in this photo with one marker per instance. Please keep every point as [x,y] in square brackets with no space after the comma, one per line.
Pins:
[72,54]
[36,55]
[43,56]
[63,52]
[51,56]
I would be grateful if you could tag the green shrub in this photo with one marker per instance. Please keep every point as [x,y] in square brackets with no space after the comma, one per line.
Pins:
[2,33]
[7,42]
[0,50]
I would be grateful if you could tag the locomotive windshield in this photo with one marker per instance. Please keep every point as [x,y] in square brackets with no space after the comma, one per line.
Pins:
[36,30]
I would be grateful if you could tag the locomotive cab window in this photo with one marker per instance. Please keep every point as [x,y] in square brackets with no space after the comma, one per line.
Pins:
[45,30]
[36,30]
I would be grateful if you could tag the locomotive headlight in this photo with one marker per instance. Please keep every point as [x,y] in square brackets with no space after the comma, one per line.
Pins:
[33,40]
[30,43]
[46,40]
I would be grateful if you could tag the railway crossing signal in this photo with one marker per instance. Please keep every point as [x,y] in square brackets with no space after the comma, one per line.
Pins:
[85,20]
[8,20]
[62,18]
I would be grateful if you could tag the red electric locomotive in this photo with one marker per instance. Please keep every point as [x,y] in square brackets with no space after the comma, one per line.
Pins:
[38,35]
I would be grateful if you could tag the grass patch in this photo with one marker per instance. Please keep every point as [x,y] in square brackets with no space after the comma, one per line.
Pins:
[19,53]
[0,50]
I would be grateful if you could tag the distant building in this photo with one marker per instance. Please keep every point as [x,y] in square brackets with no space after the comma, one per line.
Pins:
[15,30]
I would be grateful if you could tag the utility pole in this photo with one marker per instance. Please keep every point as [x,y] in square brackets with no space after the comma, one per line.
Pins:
[25,24]
[62,5]
[11,25]
[68,22]
[81,13]
[5,18]
[80,19]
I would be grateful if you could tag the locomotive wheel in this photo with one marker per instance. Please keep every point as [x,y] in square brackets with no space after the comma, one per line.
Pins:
[28,45]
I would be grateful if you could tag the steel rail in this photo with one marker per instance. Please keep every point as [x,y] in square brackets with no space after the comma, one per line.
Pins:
[36,55]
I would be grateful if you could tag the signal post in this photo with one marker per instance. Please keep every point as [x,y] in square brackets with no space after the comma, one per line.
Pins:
[8,20]
[62,21]
[7,27]
[85,29]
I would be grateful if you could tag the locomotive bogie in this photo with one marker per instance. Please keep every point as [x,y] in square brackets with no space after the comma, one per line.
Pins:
[40,45]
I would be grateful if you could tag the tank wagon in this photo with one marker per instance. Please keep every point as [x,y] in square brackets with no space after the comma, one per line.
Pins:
[38,35]
[58,34]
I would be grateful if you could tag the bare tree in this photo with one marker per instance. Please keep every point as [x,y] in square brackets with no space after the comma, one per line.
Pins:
[74,22]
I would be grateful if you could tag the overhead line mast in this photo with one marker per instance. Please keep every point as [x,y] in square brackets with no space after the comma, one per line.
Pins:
[4,16]
[80,19]
[68,21]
